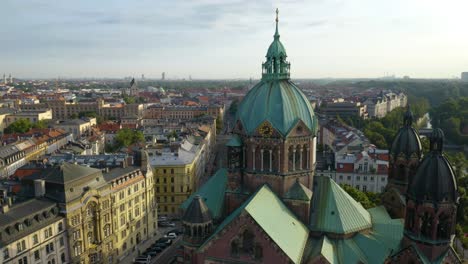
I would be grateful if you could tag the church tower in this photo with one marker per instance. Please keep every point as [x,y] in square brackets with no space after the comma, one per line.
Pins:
[134,91]
[198,225]
[432,201]
[274,138]
[405,156]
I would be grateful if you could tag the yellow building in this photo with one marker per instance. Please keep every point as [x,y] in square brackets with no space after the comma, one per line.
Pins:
[175,178]
[85,198]
[134,210]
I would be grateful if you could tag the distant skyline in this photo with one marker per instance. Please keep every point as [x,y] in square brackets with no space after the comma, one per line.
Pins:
[211,39]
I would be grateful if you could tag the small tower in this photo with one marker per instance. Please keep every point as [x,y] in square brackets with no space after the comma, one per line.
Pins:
[432,201]
[134,88]
[298,199]
[11,78]
[4,79]
[405,156]
[198,225]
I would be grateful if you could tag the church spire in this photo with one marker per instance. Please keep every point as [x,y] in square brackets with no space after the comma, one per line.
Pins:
[276,32]
[276,67]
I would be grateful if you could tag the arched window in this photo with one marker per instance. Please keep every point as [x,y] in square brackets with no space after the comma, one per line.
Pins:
[426,226]
[298,158]
[444,227]
[410,219]
[247,241]
[401,176]
[290,158]
[266,160]
[258,252]
[234,248]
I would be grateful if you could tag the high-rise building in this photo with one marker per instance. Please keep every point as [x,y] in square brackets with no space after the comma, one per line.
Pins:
[163,76]
[269,207]
[464,76]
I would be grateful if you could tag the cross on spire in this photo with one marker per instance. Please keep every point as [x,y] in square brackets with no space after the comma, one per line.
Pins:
[276,33]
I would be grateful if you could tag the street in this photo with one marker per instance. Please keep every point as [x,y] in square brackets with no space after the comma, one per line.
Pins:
[145,244]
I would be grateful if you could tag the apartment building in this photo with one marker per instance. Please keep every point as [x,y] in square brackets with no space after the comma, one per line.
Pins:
[33,232]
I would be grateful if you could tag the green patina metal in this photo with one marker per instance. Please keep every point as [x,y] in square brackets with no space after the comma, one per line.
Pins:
[288,232]
[281,103]
[212,193]
[276,98]
[335,211]
[298,192]
[373,246]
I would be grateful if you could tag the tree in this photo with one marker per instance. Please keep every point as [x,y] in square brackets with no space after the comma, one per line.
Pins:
[367,199]
[41,124]
[21,125]
[129,99]
[126,137]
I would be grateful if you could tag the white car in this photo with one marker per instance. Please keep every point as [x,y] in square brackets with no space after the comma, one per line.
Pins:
[171,236]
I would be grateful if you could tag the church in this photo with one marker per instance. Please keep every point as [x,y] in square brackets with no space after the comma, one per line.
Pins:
[267,206]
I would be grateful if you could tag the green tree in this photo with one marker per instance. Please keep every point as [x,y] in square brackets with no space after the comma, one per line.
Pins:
[367,199]
[21,125]
[129,99]
[126,137]
[41,124]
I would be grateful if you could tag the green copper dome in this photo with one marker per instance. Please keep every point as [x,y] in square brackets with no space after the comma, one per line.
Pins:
[276,98]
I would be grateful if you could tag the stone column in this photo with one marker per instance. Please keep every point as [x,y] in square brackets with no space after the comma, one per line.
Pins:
[294,159]
[300,157]
[279,160]
[271,165]
[253,159]
[308,157]
[261,159]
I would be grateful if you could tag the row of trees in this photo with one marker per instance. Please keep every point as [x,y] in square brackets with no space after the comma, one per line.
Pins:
[23,125]
[452,117]
[382,131]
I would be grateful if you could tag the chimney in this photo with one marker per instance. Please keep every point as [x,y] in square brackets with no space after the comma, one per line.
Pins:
[39,188]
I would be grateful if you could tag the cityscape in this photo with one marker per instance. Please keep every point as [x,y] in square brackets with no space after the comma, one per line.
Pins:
[109,156]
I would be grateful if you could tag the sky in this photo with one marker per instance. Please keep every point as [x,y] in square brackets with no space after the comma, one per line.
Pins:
[217,39]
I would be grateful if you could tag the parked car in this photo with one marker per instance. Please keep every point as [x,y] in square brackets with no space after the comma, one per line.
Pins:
[177,231]
[171,235]
[142,259]
[166,224]
[152,253]
[161,245]
[156,249]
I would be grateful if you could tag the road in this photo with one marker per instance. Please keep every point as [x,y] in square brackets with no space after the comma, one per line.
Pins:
[168,255]
[145,244]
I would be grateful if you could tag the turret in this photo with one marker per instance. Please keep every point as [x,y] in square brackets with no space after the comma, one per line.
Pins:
[405,156]
[198,225]
[432,201]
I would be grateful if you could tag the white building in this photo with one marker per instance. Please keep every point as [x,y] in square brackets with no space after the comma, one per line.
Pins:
[379,106]
[366,171]
[33,232]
